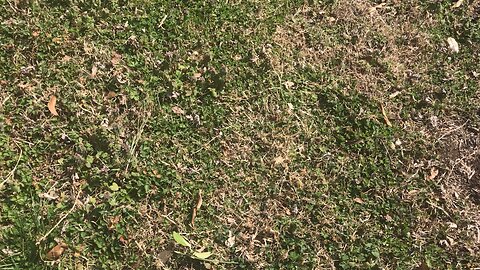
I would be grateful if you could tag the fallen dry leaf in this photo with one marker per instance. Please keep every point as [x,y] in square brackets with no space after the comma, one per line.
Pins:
[230,240]
[123,240]
[94,72]
[56,252]
[423,266]
[358,200]
[113,222]
[453,45]
[164,256]
[196,208]
[385,117]
[278,160]
[66,58]
[457,4]
[51,105]
[116,58]
[111,94]
[433,173]
[177,110]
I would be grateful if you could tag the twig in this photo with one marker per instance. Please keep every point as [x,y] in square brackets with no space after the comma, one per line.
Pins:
[135,140]
[196,208]
[385,116]
[13,170]
[61,219]
[13,7]
[169,219]
[439,208]
[205,260]
[206,144]
[449,132]
[160,25]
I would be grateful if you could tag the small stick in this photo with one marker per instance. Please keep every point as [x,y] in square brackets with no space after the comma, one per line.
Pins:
[205,260]
[385,117]
[13,170]
[196,208]
[160,25]
[61,219]
[449,132]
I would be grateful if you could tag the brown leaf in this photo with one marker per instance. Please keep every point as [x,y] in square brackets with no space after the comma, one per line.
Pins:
[358,200]
[423,266]
[165,255]
[123,240]
[56,252]
[178,110]
[116,58]
[385,117]
[94,72]
[66,58]
[111,94]
[278,160]
[196,208]
[113,222]
[51,105]
[433,173]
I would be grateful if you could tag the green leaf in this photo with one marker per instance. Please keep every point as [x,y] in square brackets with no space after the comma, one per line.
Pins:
[114,187]
[202,255]
[180,240]
[89,161]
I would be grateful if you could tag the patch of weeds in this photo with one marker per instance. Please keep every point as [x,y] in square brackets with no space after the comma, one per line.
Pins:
[306,125]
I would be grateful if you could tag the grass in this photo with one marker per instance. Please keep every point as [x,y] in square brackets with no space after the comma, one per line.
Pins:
[272,109]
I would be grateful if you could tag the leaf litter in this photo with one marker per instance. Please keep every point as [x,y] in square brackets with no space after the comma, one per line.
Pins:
[196,208]
[52,105]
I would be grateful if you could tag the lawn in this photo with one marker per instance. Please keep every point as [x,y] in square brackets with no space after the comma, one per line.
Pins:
[276,134]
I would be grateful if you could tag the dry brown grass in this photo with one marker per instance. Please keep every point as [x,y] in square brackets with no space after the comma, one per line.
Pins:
[384,49]
[378,47]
